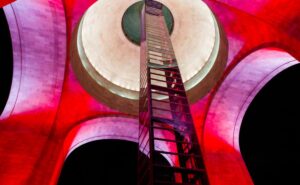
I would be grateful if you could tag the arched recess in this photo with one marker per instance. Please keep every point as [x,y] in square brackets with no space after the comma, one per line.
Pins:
[6,58]
[269,135]
[37,29]
[224,161]
[17,60]
[39,54]
[107,161]
[103,128]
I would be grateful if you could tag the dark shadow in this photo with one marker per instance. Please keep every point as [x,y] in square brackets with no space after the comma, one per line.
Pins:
[270,131]
[6,61]
[105,162]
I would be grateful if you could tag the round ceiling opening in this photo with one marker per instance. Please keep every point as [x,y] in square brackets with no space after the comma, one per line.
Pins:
[131,21]
[107,63]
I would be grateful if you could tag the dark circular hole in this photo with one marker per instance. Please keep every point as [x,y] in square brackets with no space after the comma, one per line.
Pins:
[6,61]
[131,21]
[270,131]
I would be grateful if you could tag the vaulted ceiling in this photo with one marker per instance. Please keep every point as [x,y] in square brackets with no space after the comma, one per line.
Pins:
[47,103]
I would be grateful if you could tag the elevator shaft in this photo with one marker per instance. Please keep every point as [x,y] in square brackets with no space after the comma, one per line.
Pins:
[166,132]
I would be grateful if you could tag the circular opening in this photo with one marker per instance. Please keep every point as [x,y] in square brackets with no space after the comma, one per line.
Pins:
[131,21]
[96,69]
[6,58]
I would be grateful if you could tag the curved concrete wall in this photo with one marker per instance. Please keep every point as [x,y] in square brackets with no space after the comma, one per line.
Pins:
[38,32]
[119,128]
[224,118]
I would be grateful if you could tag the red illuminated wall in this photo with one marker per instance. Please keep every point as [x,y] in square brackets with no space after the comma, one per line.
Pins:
[5,2]
[47,102]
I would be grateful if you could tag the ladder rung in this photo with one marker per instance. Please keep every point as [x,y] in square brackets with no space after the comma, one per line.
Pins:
[173,141]
[154,29]
[167,82]
[188,130]
[158,59]
[158,41]
[180,169]
[160,56]
[151,30]
[167,110]
[164,128]
[172,122]
[160,53]
[157,92]
[182,133]
[148,24]
[165,89]
[169,102]
[179,154]
[155,32]
[165,76]
[159,49]
[154,36]
[159,44]
[168,70]
[157,29]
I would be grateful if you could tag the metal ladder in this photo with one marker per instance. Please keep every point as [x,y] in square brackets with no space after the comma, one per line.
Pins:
[169,152]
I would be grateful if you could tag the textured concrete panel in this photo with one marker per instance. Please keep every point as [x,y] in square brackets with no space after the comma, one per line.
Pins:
[224,118]
[38,34]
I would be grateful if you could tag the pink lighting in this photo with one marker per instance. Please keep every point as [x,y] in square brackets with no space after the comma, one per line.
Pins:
[48,109]
[224,116]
